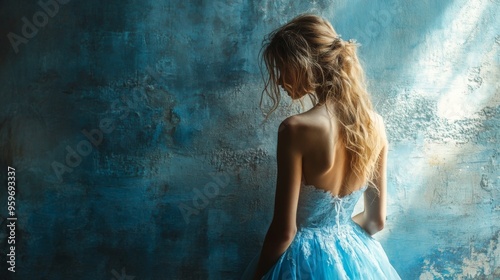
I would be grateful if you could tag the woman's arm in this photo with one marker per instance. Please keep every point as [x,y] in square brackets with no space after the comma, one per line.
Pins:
[283,227]
[372,219]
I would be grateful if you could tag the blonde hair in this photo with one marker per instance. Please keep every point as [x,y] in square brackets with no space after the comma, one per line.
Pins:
[308,52]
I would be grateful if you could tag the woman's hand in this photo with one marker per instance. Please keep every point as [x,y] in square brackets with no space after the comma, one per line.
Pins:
[372,219]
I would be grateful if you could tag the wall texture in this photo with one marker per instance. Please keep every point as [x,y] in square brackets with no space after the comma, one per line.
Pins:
[136,134]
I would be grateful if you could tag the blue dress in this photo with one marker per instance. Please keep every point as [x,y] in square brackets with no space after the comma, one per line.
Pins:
[328,243]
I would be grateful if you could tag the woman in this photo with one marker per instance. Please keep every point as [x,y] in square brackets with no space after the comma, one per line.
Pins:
[328,157]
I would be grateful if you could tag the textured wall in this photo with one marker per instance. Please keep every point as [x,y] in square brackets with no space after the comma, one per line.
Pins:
[136,135]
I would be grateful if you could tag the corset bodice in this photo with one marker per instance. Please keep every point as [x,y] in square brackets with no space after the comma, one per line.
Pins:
[319,208]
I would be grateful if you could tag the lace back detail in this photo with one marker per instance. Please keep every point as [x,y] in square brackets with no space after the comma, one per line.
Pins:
[319,208]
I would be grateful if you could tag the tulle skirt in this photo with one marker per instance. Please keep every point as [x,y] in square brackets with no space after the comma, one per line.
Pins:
[340,252]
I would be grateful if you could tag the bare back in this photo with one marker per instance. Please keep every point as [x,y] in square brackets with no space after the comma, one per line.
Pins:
[326,162]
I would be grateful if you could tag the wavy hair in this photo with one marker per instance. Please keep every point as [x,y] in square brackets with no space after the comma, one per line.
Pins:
[309,54]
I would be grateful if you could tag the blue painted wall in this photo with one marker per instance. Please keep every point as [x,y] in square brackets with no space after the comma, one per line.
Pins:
[136,135]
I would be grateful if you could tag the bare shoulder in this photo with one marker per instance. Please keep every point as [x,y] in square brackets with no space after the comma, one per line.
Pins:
[297,129]
[292,125]
[304,131]
[379,124]
[289,135]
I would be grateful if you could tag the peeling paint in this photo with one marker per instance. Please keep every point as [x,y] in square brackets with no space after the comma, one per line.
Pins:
[477,262]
